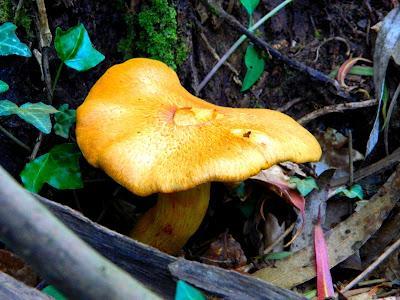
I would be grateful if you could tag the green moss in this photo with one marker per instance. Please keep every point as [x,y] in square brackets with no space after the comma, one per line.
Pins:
[156,34]
[6,11]
[126,44]
[23,21]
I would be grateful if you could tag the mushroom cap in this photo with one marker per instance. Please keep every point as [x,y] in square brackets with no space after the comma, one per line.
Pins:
[151,135]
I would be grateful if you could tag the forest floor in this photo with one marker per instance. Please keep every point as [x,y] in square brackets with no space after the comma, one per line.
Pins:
[246,219]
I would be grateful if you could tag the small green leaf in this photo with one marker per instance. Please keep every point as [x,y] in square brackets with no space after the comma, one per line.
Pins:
[310,294]
[277,255]
[185,291]
[7,108]
[75,49]
[304,186]
[354,191]
[255,67]
[3,87]
[250,5]
[9,42]
[356,70]
[53,292]
[37,114]
[65,118]
[59,168]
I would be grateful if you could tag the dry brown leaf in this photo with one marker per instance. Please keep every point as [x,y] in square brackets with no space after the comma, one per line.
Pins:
[343,240]
[16,267]
[225,252]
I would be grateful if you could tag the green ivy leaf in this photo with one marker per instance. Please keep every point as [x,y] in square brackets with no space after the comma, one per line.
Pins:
[354,191]
[185,291]
[250,5]
[65,118]
[37,114]
[58,168]
[75,49]
[53,292]
[277,255]
[9,42]
[304,186]
[255,67]
[3,87]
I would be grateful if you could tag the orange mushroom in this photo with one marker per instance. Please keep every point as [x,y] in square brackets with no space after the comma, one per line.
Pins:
[152,136]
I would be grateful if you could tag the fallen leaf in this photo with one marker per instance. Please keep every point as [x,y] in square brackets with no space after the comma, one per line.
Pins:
[9,42]
[185,291]
[346,67]
[324,278]
[387,45]
[16,267]
[225,252]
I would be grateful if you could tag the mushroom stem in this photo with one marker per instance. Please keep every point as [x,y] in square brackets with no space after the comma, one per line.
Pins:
[174,219]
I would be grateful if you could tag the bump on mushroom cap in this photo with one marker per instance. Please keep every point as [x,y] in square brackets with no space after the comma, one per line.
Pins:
[150,135]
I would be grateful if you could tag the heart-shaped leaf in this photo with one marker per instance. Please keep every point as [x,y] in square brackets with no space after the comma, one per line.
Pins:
[255,67]
[9,42]
[354,191]
[53,292]
[37,114]
[75,49]
[3,87]
[58,168]
[250,5]
[304,186]
[184,291]
[65,118]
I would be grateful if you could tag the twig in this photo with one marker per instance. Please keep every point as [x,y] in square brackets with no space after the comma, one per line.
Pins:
[351,166]
[337,38]
[17,10]
[14,139]
[288,105]
[335,108]
[238,42]
[45,39]
[36,147]
[379,166]
[44,30]
[61,257]
[312,73]
[372,266]
[215,54]
[388,117]
[279,239]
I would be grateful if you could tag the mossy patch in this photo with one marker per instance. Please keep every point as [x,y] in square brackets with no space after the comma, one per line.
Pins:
[24,20]
[153,33]
[6,11]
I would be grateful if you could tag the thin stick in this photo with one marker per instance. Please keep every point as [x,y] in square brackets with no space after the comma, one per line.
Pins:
[238,43]
[337,38]
[17,10]
[388,117]
[44,30]
[372,267]
[351,166]
[45,38]
[14,139]
[311,72]
[288,105]
[335,108]
[279,239]
[61,257]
